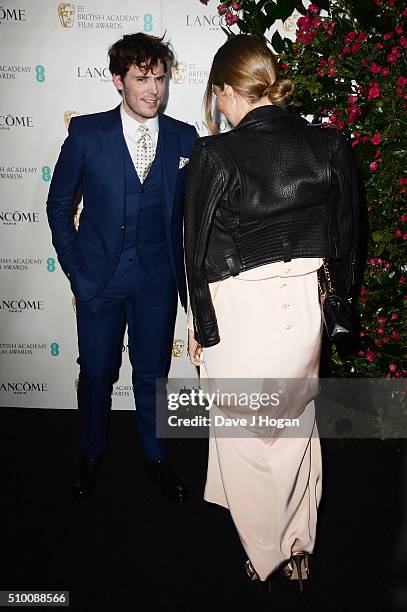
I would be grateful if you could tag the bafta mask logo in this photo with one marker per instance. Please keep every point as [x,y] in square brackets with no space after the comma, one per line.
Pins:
[76,383]
[68,116]
[74,304]
[178,347]
[179,72]
[66,13]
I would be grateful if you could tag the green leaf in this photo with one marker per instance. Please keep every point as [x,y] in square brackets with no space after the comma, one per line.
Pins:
[277,42]
[285,8]
[324,4]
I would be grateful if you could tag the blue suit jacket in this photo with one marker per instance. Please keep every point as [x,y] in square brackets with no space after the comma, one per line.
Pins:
[92,162]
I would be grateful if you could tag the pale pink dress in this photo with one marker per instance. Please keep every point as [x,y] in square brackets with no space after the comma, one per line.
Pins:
[270,327]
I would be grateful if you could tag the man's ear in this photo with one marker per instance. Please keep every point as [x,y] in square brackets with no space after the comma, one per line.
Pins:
[117,81]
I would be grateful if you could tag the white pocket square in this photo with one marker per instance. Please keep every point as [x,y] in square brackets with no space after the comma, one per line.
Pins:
[183,162]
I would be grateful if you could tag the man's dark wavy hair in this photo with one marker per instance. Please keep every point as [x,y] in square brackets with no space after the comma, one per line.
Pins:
[141,50]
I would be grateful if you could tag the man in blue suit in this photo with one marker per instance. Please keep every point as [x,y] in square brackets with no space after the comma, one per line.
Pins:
[126,262]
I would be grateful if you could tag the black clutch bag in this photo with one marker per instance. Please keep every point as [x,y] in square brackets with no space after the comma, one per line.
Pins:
[336,309]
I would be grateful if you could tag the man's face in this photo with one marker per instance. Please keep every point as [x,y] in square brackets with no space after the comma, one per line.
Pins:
[142,93]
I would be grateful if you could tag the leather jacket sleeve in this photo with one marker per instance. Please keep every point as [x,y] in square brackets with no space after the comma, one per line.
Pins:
[202,195]
[343,213]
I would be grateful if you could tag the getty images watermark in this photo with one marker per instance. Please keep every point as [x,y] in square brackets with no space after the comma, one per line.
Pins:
[203,400]
[271,408]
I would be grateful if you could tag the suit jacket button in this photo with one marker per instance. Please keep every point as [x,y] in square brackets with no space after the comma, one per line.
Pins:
[122,227]
[141,190]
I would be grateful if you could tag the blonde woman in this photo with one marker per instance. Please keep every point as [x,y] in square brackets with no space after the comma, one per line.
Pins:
[266,202]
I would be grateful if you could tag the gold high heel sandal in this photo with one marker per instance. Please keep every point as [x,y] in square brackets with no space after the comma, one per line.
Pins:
[297,568]
[250,571]
[253,575]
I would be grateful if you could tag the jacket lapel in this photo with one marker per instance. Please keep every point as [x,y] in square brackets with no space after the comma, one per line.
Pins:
[113,142]
[169,150]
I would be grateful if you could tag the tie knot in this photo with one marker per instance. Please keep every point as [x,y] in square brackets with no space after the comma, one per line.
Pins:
[142,132]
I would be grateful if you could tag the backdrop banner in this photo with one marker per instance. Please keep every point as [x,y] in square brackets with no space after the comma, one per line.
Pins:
[54,66]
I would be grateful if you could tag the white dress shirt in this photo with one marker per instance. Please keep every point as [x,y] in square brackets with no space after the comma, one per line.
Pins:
[130,127]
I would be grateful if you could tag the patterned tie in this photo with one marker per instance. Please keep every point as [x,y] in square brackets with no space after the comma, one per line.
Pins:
[145,152]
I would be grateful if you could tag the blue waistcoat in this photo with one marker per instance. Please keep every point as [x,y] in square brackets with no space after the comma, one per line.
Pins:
[144,205]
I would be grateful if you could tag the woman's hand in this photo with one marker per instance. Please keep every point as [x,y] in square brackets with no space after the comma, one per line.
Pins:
[194,349]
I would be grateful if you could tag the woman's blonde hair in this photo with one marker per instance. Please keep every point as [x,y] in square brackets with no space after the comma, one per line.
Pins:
[246,64]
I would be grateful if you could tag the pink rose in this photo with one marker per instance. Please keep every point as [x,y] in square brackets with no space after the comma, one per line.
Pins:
[403,180]
[396,52]
[392,367]
[374,166]
[352,99]
[362,37]
[313,8]
[382,319]
[376,139]
[222,9]
[396,335]
[398,29]
[350,36]
[315,22]
[380,330]
[374,92]
[388,35]
[403,218]
[385,71]
[402,81]
[304,22]
[403,42]
[345,51]
[370,355]
[378,45]
[394,316]
[355,48]
[235,6]
[375,68]
[391,59]
[231,19]
[398,233]
[331,72]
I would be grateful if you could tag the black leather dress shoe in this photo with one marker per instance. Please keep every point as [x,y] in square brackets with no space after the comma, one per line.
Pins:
[84,480]
[160,472]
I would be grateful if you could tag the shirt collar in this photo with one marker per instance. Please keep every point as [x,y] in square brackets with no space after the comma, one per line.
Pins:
[131,125]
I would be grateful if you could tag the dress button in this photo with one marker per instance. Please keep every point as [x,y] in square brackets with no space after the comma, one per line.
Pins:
[122,227]
[282,285]
[287,270]
[288,326]
[284,306]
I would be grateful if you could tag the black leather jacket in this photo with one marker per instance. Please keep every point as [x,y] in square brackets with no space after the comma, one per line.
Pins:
[274,188]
